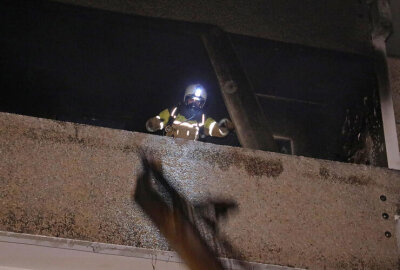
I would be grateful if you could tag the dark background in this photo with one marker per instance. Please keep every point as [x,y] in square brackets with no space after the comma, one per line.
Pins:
[306,93]
[114,70]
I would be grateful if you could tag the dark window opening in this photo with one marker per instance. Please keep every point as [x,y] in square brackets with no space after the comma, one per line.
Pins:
[285,145]
[321,99]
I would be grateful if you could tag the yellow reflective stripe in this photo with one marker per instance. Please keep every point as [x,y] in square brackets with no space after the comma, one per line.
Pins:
[173,112]
[210,129]
[203,120]
[185,124]
[223,133]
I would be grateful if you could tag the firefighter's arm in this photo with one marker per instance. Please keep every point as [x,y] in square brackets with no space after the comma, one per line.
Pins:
[158,122]
[214,129]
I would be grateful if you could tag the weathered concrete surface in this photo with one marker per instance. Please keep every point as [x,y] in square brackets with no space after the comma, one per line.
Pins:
[74,181]
[394,72]
[340,25]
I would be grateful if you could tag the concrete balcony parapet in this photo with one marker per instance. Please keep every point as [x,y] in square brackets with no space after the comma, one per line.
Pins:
[74,181]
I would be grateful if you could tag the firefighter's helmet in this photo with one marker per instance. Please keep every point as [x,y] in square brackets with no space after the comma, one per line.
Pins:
[195,95]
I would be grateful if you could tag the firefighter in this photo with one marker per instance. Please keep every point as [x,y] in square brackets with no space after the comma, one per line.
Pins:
[187,120]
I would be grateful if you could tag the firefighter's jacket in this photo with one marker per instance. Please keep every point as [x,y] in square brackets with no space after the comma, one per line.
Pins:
[176,125]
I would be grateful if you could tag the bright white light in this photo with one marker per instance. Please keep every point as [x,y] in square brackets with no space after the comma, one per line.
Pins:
[198,92]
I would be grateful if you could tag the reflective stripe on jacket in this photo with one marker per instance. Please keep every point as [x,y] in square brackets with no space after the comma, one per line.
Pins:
[188,129]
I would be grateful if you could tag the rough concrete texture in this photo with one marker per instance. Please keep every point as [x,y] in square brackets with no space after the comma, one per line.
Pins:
[394,72]
[75,181]
[340,25]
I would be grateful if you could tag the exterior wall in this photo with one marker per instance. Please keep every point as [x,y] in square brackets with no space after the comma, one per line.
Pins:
[74,181]
[394,71]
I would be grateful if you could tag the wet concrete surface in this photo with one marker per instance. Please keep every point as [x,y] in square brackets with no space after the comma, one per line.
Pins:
[74,181]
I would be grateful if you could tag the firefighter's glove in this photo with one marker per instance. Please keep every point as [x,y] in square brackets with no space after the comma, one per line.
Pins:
[153,124]
[226,123]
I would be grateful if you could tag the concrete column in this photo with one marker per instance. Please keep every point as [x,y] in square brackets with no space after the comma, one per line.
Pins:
[382,28]
[249,119]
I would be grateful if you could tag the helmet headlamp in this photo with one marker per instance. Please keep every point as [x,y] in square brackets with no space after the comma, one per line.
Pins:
[197,93]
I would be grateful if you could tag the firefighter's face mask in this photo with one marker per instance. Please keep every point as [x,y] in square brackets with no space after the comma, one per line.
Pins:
[195,103]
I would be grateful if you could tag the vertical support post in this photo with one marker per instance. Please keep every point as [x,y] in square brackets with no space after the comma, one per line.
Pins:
[382,28]
[243,107]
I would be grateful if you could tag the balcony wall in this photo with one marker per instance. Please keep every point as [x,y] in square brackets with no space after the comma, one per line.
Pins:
[74,181]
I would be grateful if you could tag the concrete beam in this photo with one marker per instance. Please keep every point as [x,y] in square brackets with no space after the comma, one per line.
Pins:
[74,181]
[336,24]
[250,122]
